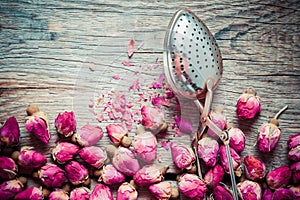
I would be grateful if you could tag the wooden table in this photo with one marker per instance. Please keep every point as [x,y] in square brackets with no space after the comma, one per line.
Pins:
[62,54]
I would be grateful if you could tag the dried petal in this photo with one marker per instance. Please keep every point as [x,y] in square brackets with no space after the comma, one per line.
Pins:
[183,124]
[52,176]
[248,105]
[255,169]
[127,192]
[296,191]
[145,146]
[293,141]
[125,161]
[149,174]
[58,195]
[218,118]
[268,137]
[250,190]
[153,119]
[101,192]
[9,189]
[110,175]
[236,160]
[208,150]
[162,190]
[214,176]
[116,133]
[64,152]
[279,177]
[32,193]
[295,168]
[220,193]
[93,155]
[283,193]
[183,156]
[65,123]
[237,139]
[130,48]
[267,195]
[10,132]
[88,135]
[76,172]
[192,186]
[8,168]
[80,193]
[294,154]
[159,83]
[31,159]
[159,101]
[38,125]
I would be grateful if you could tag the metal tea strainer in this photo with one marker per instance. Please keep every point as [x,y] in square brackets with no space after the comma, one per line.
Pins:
[193,68]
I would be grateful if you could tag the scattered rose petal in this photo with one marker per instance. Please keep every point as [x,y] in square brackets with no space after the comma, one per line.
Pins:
[128,64]
[130,48]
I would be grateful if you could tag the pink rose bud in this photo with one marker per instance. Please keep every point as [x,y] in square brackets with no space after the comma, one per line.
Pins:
[248,105]
[39,126]
[9,189]
[283,193]
[218,118]
[237,139]
[124,161]
[296,191]
[236,160]
[183,156]
[58,195]
[65,123]
[149,174]
[191,186]
[293,141]
[267,195]
[127,192]
[110,175]
[52,176]
[101,191]
[10,132]
[32,193]
[145,144]
[93,155]
[64,152]
[153,119]
[76,172]
[279,177]
[8,168]
[80,193]
[250,190]
[294,154]
[88,135]
[164,191]
[208,150]
[254,168]
[214,176]
[221,193]
[295,168]
[118,134]
[31,159]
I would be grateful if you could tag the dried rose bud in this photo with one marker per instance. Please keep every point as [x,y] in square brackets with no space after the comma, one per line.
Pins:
[214,176]
[220,193]
[64,152]
[296,191]
[237,139]
[145,145]
[125,161]
[52,176]
[153,119]
[254,168]
[8,168]
[208,150]
[149,174]
[10,132]
[127,191]
[65,123]
[283,193]
[110,175]
[295,168]
[293,141]
[267,195]
[58,195]
[39,126]
[163,190]
[218,118]
[183,156]
[279,177]
[101,191]
[9,189]
[294,154]
[236,160]
[32,193]
[191,186]
[250,190]
[76,172]
[31,159]
[88,135]
[93,155]
[248,105]
[118,134]
[80,193]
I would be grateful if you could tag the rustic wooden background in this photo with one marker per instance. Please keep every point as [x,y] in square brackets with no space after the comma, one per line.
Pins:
[48,48]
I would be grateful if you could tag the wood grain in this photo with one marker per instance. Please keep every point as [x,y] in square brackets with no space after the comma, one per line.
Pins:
[46,49]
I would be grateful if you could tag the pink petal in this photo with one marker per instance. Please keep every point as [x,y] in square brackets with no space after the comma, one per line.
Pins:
[130,48]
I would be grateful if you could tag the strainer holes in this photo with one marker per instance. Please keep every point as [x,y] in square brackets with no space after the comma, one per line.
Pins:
[210,49]
[182,38]
[203,46]
[197,50]
[200,67]
[197,56]
[211,55]
[206,66]
[201,40]
[213,60]
[184,32]
[189,52]
[197,38]
[204,38]
[178,25]
[197,44]
[187,26]
[196,76]
[217,61]
[207,43]
[193,34]
[204,53]
[201,28]
[191,66]
[189,21]
[190,45]
[193,71]
[205,59]
[205,33]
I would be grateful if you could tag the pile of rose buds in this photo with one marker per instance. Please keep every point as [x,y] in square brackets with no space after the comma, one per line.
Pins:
[128,164]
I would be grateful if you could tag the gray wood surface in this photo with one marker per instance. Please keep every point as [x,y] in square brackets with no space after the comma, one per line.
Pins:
[48,47]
